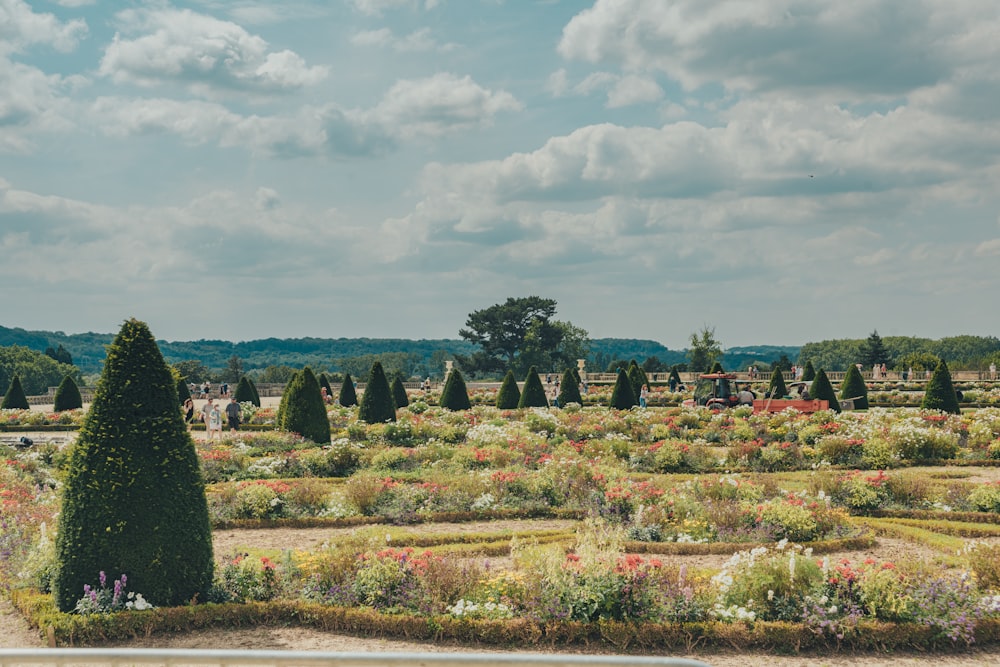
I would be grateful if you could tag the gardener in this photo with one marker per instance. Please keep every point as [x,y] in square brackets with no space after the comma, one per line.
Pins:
[233,414]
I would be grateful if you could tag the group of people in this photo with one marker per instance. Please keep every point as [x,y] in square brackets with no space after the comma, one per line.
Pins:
[211,415]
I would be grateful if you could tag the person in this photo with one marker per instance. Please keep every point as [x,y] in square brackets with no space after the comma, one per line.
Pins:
[643,396]
[555,397]
[993,371]
[325,394]
[875,370]
[803,392]
[427,384]
[188,412]
[233,413]
[909,373]
[883,372]
[214,422]
[927,373]
[224,390]
[745,397]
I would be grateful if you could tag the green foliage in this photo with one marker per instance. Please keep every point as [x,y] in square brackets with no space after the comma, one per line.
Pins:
[509,395]
[940,393]
[183,393]
[37,371]
[324,383]
[873,351]
[377,405]
[61,355]
[399,396]
[533,394]
[777,388]
[15,399]
[67,395]
[854,387]
[244,392]
[674,380]
[705,350]
[636,377]
[133,500]
[348,396]
[454,395]
[279,414]
[717,368]
[569,388]
[304,412]
[406,364]
[622,396]
[823,390]
[808,372]
[253,388]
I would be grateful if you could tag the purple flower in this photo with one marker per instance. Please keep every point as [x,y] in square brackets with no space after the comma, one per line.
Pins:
[104,579]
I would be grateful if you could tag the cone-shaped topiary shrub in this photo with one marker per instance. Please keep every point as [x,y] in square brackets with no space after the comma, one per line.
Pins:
[854,386]
[324,383]
[717,368]
[454,395]
[304,412]
[822,389]
[15,399]
[279,414]
[133,501]
[777,388]
[674,380]
[940,393]
[183,393]
[244,392]
[533,394]
[377,406]
[637,377]
[622,397]
[68,395]
[569,389]
[348,396]
[509,395]
[399,396]
[808,372]
[253,388]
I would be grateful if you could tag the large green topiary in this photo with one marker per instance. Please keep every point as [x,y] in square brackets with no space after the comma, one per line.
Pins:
[777,388]
[455,395]
[348,395]
[717,368]
[674,380]
[533,393]
[569,389]
[854,387]
[821,389]
[256,394]
[67,395]
[622,396]
[940,393]
[15,399]
[133,500]
[304,412]
[636,377]
[377,406]
[244,392]
[279,414]
[399,396]
[509,395]
[808,372]
[183,392]
[324,383]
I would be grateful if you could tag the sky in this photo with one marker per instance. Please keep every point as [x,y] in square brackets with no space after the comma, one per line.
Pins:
[782,171]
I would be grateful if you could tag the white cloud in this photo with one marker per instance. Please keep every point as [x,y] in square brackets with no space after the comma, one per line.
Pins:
[380,7]
[30,102]
[558,83]
[203,52]
[990,248]
[633,89]
[21,27]
[417,41]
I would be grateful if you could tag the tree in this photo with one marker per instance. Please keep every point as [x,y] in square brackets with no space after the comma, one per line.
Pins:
[854,387]
[324,383]
[622,397]
[244,393]
[940,393]
[569,388]
[873,351]
[674,379]
[67,395]
[233,371]
[704,350]
[654,365]
[304,412]
[183,393]
[253,388]
[191,370]
[276,375]
[520,332]
[279,414]
[777,388]
[59,354]
[509,395]
[454,395]
[822,390]
[399,396]
[15,399]
[533,393]
[133,500]
[717,368]
[782,363]
[36,371]
[348,396]
[808,372]
[377,406]
[636,377]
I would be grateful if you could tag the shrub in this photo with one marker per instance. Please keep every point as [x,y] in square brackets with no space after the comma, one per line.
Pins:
[377,406]
[68,395]
[985,498]
[509,395]
[454,395]
[622,396]
[533,394]
[183,393]
[940,393]
[823,390]
[256,395]
[808,372]
[854,387]
[569,389]
[133,500]
[15,399]
[244,393]
[324,383]
[399,396]
[303,410]
[769,585]
[777,388]
[636,377]
[348,396]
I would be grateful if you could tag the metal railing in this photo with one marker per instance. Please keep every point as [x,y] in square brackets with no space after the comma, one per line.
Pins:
[115,657]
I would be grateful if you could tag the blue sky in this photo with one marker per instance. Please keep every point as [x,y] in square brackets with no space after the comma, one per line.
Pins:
[782,170]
